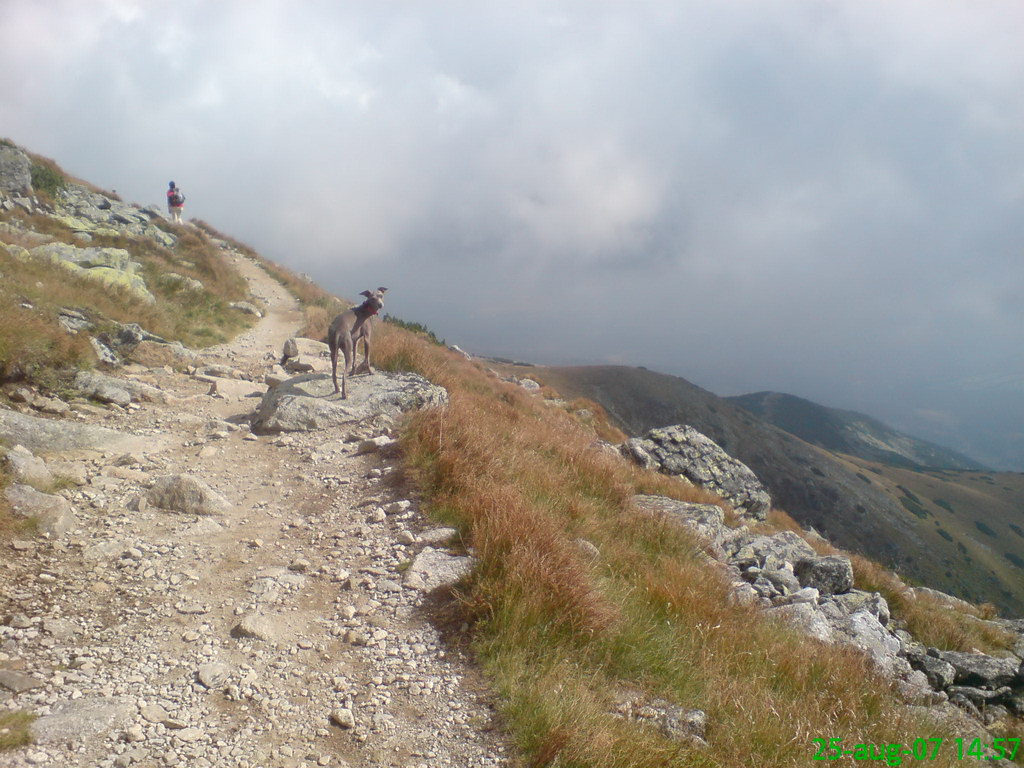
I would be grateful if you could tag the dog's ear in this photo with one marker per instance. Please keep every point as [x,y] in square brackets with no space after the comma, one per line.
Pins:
[367,294]
[382,289]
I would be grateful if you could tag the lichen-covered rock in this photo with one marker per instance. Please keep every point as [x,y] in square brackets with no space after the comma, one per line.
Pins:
[308,402]
[15,171]
[830,575]
[683,451]
[184,493]
[981,671]
[706,520]
[52,513]
[112,266]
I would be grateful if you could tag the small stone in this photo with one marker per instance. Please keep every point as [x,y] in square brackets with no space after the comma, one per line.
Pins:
[343,718]
[189,734]
[214,674]
[299,565]
[135,734]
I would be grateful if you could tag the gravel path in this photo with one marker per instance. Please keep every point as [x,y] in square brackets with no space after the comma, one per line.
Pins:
[278,634]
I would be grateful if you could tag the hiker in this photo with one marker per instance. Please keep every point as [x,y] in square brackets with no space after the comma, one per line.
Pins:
[175,202]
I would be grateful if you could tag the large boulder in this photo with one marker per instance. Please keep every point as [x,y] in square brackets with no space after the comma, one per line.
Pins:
[15,171]
[184,493]
[120,391]
[831,575]
[51,513]
[683,451]
[981,671]
[26,468]
[308,402]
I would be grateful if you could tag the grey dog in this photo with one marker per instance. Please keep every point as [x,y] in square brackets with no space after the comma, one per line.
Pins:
[345,332]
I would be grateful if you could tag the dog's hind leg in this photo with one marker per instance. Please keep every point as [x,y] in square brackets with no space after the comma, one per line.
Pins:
[332,343]
[348,348]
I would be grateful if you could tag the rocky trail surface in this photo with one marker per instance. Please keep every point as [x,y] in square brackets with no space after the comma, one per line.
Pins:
[218,598]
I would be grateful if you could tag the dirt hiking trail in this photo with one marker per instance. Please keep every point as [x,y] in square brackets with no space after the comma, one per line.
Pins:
[274,633]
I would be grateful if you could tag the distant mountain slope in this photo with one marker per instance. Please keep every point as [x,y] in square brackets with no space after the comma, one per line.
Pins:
[850,432]
[858,505]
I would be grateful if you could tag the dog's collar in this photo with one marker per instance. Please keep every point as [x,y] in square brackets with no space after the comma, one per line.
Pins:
[369,308]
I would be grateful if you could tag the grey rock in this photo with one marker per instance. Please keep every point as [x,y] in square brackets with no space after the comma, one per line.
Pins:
[863,630]
[52,513]
[308,402]
[436,568]
[857,599]
[829,575]
[27,469]
[769,551]
[80,720]
[46,436]
[214,674]
[706,520]
[682,450]
[258,627]
[246,307]
[981,671]
[299,345]
[120,391]
[786,582]
[16,682]
[15,171]
[184,493]
[805,618]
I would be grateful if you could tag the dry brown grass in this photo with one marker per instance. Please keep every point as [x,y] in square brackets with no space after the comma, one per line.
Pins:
[560,633]
[33,345]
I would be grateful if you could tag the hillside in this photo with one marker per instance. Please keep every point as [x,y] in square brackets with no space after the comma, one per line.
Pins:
[850,432]
[839,496]
[212,559]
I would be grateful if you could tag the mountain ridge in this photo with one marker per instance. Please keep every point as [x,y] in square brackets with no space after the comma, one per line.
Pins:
[860,505]
[851,432]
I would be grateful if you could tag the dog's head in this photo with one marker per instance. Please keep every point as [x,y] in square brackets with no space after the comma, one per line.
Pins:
[374,299]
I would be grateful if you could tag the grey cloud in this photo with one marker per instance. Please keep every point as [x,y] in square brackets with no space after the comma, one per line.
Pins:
[816,198]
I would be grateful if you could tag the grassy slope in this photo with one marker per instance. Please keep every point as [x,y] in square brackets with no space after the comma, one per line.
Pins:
[979,513]
[563,636]
[838,495]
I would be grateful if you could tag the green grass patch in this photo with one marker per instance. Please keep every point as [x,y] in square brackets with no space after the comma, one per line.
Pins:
[14,730]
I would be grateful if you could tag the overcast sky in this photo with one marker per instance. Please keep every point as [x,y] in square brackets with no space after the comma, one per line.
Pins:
[820,198]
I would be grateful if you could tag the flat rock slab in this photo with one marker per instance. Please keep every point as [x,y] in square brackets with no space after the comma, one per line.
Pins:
[50,436]
[308,402]
[78,721]
[435,568]
[121,391]
[18,682]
